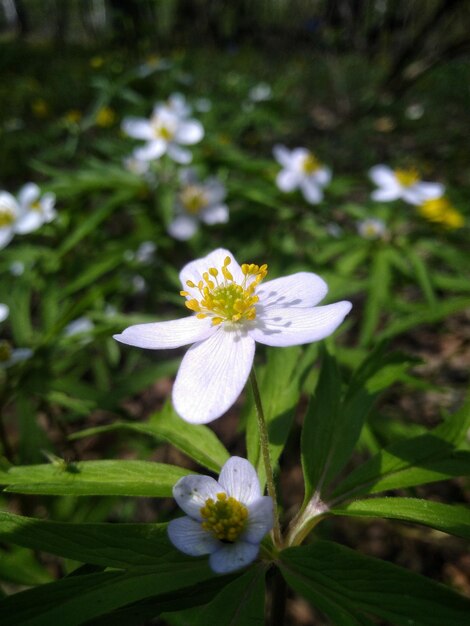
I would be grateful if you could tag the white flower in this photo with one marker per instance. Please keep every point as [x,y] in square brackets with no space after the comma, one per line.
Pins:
[17,268]
[79,326]
[34,209]
[4,312]
[9,211]
[226,518]
[164,133]
[372,228]
[178,104]
[136,166]
[197,201]
[402,184]
[231,311]
[260,92]
[145,252]
[301,170]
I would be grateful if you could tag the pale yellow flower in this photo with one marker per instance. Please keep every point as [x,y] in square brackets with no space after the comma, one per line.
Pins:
[440,211]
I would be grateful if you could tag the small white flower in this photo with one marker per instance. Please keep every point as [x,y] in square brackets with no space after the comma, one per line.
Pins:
[9,211]
[79,326]
[372,228]
[4,312]
[232,310]
[226,518]
[17,268]
[35,210]
[301,170]
[197,201]
[136,166]
[260,92]
[165,133]
[145,252]
[404,184]
[139,284]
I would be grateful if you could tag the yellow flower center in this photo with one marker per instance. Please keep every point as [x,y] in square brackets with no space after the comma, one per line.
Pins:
[225,518]
[310,164]
[225,300]
[161,131]
[193,199]
[441,211]
[6,217]
[36,206]
[5,351]
[407,178]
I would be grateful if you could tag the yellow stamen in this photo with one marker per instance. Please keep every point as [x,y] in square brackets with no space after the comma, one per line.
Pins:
[193,199]
[225,518]
[407,177]
[227,300]
[310,164]
[6,217]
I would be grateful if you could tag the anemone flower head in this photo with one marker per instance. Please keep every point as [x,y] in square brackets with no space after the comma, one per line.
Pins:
[165,132]
[9,211]
[402,184]
[232,310]
[301,170]
[225,518]
[35,209]
[197,201]
[372,228]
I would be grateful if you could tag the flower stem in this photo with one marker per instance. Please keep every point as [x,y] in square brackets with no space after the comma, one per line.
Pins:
[264,444]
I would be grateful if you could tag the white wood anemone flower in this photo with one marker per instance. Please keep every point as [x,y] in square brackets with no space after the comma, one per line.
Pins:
[231,311]
[9,211]
[197,202]
[225,518]
[165,132]
[372,228]
[35,210]
[301,170]
[402,184]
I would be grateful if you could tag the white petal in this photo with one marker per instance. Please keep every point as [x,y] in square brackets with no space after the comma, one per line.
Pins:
[8,202]
[215,214]
[187,176]
[214,190]
[179,155]
[138,127]
[260,520]
[287,180]
[420,192]
[382,175]
[282,155]
[292,327]
[6,235]
[189,132]
[28,194]
[191,493]
[311,191]
[163,335]
[303,289]
[4,312]
[183,227]
[239,479]
[322,176]
[152,150]
[212,375]
[195,269]
[233,556]
[28,222]
[387,194]
[189,537]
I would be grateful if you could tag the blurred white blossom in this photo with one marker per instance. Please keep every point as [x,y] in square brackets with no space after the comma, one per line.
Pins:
[301,170]
[35,209]
[404,184]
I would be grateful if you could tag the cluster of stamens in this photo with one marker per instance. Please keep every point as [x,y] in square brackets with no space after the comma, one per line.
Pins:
[225,300]
[407,178]
[6,217]
[225,518]
[310,164]
[193,198]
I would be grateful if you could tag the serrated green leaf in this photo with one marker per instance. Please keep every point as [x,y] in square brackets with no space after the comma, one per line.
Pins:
[449,518]
[361,584]
[93,478]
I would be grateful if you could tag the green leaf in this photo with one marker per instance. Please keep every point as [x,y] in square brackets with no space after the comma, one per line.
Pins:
[332,576]
[94,478]
[19,566]
[422,276]
[279,385]
[196,441]
[240,603]
[377,297]
[416,461]
[77,599]
[111,545]
[453,519]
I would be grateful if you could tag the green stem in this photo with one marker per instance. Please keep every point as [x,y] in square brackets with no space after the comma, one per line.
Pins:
[264,444]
